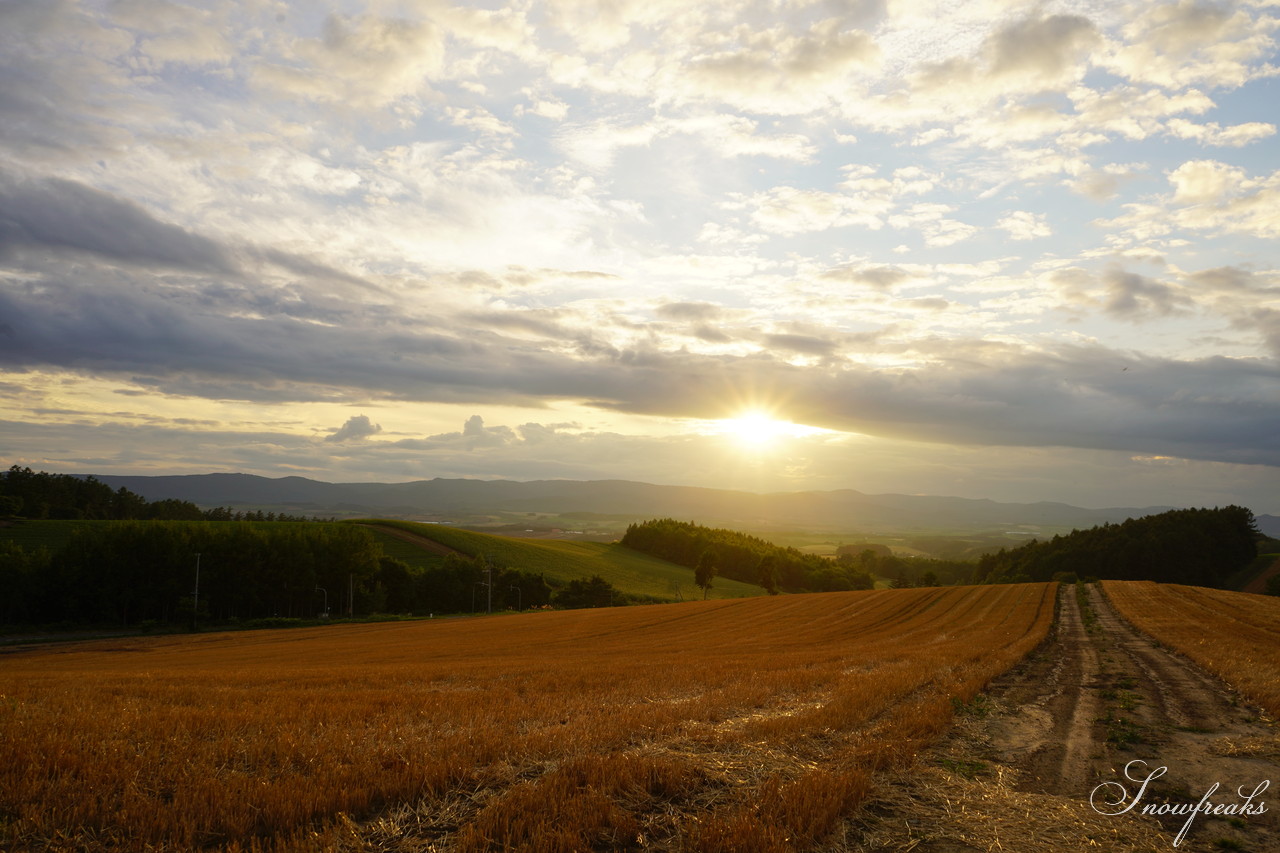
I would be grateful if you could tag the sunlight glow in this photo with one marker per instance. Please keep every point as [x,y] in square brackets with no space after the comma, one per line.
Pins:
[759,429]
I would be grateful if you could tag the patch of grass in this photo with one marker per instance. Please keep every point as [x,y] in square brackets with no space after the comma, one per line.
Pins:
[1128,701]
[963,767]
[1087,616]
[1122,732]
[1228,844]
[979,706]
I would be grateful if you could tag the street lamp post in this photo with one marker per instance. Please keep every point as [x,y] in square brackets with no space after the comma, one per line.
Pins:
[325,615]
[519,598]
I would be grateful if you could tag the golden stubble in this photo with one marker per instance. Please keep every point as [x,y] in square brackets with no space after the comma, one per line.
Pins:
[713,725]
[1234,635]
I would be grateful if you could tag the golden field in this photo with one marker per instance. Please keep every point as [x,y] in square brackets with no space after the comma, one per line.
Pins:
[1242,647]
[751,724]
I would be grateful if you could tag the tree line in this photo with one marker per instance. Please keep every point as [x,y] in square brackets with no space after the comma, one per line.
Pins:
[132,573]
[713,552]
[29,494]
[169,571]
[1199,547]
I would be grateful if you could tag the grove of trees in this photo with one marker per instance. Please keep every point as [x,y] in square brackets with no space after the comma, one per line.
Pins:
[740,557]
[1200,547]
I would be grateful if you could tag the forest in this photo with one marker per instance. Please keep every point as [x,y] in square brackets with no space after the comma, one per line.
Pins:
[31,494]
[1199,547]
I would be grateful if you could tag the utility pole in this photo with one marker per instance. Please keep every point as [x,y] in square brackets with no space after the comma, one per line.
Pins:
[488,572]
[195,596]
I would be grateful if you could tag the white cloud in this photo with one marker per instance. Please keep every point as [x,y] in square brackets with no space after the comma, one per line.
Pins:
[1025,225]
[788,211]
[1189,43]
[1200,181]
[780,71]
[357,427]
[930,219]
[366,61]
[1212,134]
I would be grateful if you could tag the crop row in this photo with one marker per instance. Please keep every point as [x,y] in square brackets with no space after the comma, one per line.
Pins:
[720,725]
[1243,646]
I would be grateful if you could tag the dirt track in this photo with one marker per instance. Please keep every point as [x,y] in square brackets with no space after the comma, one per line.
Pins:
[1020,769]
[428,545]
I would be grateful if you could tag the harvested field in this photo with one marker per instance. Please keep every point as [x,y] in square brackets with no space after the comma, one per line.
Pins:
[1242,647]
[1034,764]
[756,724]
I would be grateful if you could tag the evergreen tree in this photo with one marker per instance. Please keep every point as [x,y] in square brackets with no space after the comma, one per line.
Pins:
[705,573]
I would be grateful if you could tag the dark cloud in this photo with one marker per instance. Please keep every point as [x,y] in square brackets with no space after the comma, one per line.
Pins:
[690,312]
[877,278]
[1040,48]
[803,344]
[202,335]
[55,214]
[1130,295]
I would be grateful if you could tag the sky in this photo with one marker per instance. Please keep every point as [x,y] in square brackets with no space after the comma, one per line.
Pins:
[996,249]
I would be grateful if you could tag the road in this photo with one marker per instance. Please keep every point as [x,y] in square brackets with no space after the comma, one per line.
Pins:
[1024,760]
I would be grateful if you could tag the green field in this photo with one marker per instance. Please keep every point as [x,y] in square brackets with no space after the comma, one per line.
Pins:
[565,560]
[43,533]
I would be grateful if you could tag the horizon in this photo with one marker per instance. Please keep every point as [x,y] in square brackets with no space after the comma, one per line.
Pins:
[659,485]
[1013,251]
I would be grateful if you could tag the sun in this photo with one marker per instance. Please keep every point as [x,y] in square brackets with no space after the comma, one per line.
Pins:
[754,428]
[759,430]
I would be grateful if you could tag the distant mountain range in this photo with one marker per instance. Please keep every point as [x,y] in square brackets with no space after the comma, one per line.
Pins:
[614,502]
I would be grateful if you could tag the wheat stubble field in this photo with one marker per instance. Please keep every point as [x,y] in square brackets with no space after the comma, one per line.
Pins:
[752,724]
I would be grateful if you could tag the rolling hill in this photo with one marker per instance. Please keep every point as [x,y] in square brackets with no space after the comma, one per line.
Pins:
[630,571]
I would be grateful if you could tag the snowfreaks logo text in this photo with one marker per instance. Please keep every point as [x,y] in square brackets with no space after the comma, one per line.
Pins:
[1112,798]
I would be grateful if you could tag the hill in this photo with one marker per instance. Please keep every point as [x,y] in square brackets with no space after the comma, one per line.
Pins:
[610,505]
[629,571]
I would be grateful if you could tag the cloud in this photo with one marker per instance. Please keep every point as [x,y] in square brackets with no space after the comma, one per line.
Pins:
[1131,295]
[56,214]
[414,204]
[693,312]
[1040,53]
[1207,196]
[1200,181]
[779,71]
[1025,225]
[788,211]
[1189,43]
[877,278]
[931,220]
[363,61]
[1212,133]
[356,428]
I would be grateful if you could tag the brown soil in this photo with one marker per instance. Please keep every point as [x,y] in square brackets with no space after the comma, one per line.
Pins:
[1259,584]
[1024,759]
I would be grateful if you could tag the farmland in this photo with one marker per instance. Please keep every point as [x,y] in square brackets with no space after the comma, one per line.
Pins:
[753,724]
[1244,647]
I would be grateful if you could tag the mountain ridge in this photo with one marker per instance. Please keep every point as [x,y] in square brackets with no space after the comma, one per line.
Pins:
[846,509]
